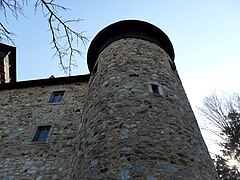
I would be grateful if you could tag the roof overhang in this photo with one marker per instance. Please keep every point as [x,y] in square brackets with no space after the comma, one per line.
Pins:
[128,29]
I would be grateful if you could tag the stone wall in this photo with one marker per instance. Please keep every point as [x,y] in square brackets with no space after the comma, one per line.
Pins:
[129,132]
[22,111]
[131,121]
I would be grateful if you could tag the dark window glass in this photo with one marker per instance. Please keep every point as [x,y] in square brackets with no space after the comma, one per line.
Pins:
[155,88]
[41,134]
[57,97]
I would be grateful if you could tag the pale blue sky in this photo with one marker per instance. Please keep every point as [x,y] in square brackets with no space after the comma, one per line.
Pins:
[205,35]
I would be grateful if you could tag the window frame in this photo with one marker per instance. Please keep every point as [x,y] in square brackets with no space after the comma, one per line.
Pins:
[152,86]
[34,139]
[50,101]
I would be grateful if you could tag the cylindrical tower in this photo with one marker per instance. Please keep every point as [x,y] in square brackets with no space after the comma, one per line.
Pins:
[137,121]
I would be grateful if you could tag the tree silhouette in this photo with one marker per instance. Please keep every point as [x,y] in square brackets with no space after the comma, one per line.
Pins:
[224,114]
[225,171]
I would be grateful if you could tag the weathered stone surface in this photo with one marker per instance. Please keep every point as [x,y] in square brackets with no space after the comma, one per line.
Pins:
[132,132]
[22,110]
[114,127]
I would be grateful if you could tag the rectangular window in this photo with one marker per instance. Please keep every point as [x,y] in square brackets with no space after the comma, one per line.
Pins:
[156,89]
[41,134]
[57,97]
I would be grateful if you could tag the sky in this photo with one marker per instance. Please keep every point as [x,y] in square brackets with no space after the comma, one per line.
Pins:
[205,35]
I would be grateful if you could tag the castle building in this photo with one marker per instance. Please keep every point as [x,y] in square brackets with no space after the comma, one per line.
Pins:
[128,119]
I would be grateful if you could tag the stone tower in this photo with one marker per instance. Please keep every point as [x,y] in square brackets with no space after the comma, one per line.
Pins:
[137,121]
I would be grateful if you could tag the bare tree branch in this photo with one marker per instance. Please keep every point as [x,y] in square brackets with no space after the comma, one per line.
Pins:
[63,36]
[5,35]
[214,110]
[13,7]
[65,40]
[224,113]
[9,7]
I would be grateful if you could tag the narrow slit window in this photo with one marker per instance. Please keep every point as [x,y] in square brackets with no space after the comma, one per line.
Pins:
[42,133]
[57,97]
[156,89]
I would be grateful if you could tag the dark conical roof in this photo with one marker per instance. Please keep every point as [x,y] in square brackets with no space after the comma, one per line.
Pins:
[125,29]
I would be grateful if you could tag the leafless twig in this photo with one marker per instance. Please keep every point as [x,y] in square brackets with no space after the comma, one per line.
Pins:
[223,112]
[65,39]
[5,35]
[63,36]
[9,7]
